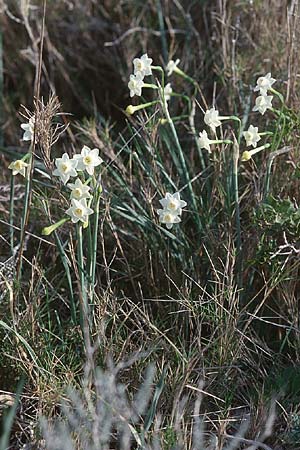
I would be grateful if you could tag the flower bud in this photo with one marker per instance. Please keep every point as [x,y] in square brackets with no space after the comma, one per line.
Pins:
[130,109]
[246,156]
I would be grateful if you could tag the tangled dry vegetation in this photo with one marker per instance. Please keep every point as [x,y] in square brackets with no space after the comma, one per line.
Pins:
[177,354]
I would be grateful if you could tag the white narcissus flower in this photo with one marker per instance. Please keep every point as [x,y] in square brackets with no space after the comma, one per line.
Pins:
[251,136]
[211,118]
[173,203]
[171,66]
[88,159]
[65,168]
[79,211]
[79,190]
[168,91]
[262,103]
[28,129]
[142,65]
[135,84]
[168,218]
[264,84]
[18,166]
[204,141]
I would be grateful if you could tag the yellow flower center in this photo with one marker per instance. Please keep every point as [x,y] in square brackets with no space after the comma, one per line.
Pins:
[18,165]
[172,204]
[263,82]
[139,65]
[77,192]
[78,212]
[64,167]
[168,218]
[261,100]
[87,160]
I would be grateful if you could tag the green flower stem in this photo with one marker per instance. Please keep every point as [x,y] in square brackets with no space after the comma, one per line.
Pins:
[276,142]
[11,212]
[80,262]
[160,69]
[184,97]
[25,214]
[237,119]
[150,86]
[163,121]
[181,157]
[277,136]
[222,141]
[266,133]
[193,130]
[25,157]
[278,94]
[272,156]
[95,239]
[237,215]
[26,197]
[184,75]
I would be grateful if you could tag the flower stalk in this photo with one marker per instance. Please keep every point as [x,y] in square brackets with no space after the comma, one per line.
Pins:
[237,214]
[26,208]
[93,264]
[181,156]
[11,212]
[82,279]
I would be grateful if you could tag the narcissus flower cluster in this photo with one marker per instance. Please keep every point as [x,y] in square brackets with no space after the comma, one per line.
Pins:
[142,68]
[172,209]
[80,196]
[264,101]
[213,120]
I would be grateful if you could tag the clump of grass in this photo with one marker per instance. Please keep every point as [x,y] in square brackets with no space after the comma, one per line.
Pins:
[104,417]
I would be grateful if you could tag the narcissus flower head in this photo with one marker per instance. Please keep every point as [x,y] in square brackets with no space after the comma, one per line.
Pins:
[211,118]
[18,166]
[262,103]
[142,65]
[251,136]
[168,91]
[171,66]
[135,84]
[65,168]
[173,203]
[264,84]
[168,218]
[28,129]
[88,159]
[79,190]
[79,211]
[204,141]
